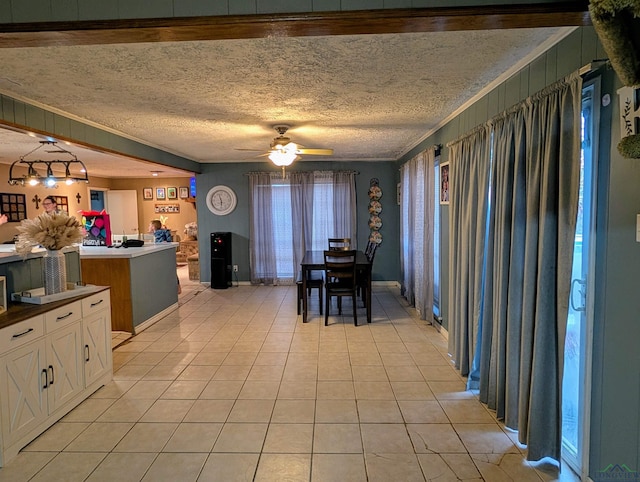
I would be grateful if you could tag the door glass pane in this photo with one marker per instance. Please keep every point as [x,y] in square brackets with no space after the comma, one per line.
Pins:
[573,396]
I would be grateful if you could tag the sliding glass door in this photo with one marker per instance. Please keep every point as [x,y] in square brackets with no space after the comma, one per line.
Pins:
[577,353]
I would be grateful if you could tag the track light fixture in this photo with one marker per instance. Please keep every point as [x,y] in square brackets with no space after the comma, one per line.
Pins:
[51,180]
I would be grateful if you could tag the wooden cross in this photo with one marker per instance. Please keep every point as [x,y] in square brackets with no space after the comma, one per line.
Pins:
[37,200]
[78,197]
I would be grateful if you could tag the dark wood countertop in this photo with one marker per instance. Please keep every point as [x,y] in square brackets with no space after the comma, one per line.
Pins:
[17,312]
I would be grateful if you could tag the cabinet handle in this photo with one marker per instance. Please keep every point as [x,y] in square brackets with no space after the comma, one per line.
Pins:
[51,370]
[65,316]
[86,353]
[96,303]
[46,380]
[18,335]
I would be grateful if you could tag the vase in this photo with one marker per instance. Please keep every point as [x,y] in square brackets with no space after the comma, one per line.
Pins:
[55,272]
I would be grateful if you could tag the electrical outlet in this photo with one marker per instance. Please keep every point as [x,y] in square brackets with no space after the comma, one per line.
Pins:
[235,268]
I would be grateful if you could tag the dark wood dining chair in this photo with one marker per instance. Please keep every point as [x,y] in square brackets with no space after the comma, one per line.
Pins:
[339,244]
[314,280]
[361,275]
[340,280]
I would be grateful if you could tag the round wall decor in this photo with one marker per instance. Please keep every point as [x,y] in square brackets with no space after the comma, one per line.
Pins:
[221,200]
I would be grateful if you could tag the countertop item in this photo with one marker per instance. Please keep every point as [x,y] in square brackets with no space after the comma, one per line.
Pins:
[97,252]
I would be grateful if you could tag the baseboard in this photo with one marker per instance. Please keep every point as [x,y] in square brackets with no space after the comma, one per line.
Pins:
[157,317]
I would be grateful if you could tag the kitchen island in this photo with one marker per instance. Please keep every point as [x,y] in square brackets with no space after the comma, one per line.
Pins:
[143,281]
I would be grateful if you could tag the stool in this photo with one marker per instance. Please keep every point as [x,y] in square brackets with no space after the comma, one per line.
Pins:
[313,281]
[193,263]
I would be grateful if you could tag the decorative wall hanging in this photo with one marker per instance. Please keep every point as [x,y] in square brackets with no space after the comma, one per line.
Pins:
[147,193]
[617,23]
[62,203]
[375,208]
[14,206]
[167,208]
[629,145]
[445,192]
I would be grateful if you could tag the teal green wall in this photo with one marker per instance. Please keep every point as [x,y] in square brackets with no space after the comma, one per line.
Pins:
[387,261]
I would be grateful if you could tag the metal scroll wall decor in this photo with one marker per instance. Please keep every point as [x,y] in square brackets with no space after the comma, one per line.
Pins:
[375,208]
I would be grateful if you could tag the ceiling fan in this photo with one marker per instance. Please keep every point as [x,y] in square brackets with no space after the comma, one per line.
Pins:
[282,151]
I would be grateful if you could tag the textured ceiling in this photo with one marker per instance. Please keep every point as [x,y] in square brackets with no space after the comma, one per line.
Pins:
[369,97]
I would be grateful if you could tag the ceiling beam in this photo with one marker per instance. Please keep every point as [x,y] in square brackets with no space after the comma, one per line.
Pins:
[93,32]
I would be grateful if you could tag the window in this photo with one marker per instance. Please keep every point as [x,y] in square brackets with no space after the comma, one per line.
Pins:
[296,214]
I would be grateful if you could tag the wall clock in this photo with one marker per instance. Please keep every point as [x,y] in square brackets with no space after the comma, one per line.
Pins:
[221,200]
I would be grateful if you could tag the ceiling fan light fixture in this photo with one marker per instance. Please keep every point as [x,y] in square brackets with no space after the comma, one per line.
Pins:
[281,157]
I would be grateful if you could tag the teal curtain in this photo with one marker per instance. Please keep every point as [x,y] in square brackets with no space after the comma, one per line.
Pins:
[529,259]
[469,173]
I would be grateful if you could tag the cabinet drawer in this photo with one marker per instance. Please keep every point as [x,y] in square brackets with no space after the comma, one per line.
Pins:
[21,333]
[94,303]
[63,316]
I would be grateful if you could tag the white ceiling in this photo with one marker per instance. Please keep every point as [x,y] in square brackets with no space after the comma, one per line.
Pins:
[369,97]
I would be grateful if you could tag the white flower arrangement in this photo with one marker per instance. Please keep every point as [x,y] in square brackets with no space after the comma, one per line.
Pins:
[51,231]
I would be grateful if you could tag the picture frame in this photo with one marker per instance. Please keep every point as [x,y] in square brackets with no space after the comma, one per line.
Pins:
[445,184]
[161,193]
[62,203]
[183,192]
[167,208]
[147,193]
[14,206]
[172,193]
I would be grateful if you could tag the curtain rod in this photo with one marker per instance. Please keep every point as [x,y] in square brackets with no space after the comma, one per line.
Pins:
[592,66]
[289,172]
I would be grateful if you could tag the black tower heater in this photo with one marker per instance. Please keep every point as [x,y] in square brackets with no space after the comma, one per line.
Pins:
[220,260]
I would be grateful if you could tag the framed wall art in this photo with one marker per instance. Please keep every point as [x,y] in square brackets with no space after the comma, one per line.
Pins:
[147,193]
[172,193]
[445,192]
[167,208]
[63,203]
[14,206]
[161,193]
[183,192]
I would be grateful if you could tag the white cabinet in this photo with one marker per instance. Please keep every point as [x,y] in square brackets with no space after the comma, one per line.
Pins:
[65,376]
[49,364]
[96,336]
[23,383]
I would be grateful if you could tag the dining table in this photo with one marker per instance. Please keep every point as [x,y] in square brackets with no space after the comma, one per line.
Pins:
[314,260]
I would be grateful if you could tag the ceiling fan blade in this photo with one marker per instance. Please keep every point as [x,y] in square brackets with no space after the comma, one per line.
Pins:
[315,152]
[253,150]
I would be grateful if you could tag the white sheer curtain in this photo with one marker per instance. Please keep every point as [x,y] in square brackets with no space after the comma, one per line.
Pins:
[261,232]
[292,215]
[416,231]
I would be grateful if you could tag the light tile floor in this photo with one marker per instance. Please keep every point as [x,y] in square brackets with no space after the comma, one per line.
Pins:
[233,387]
